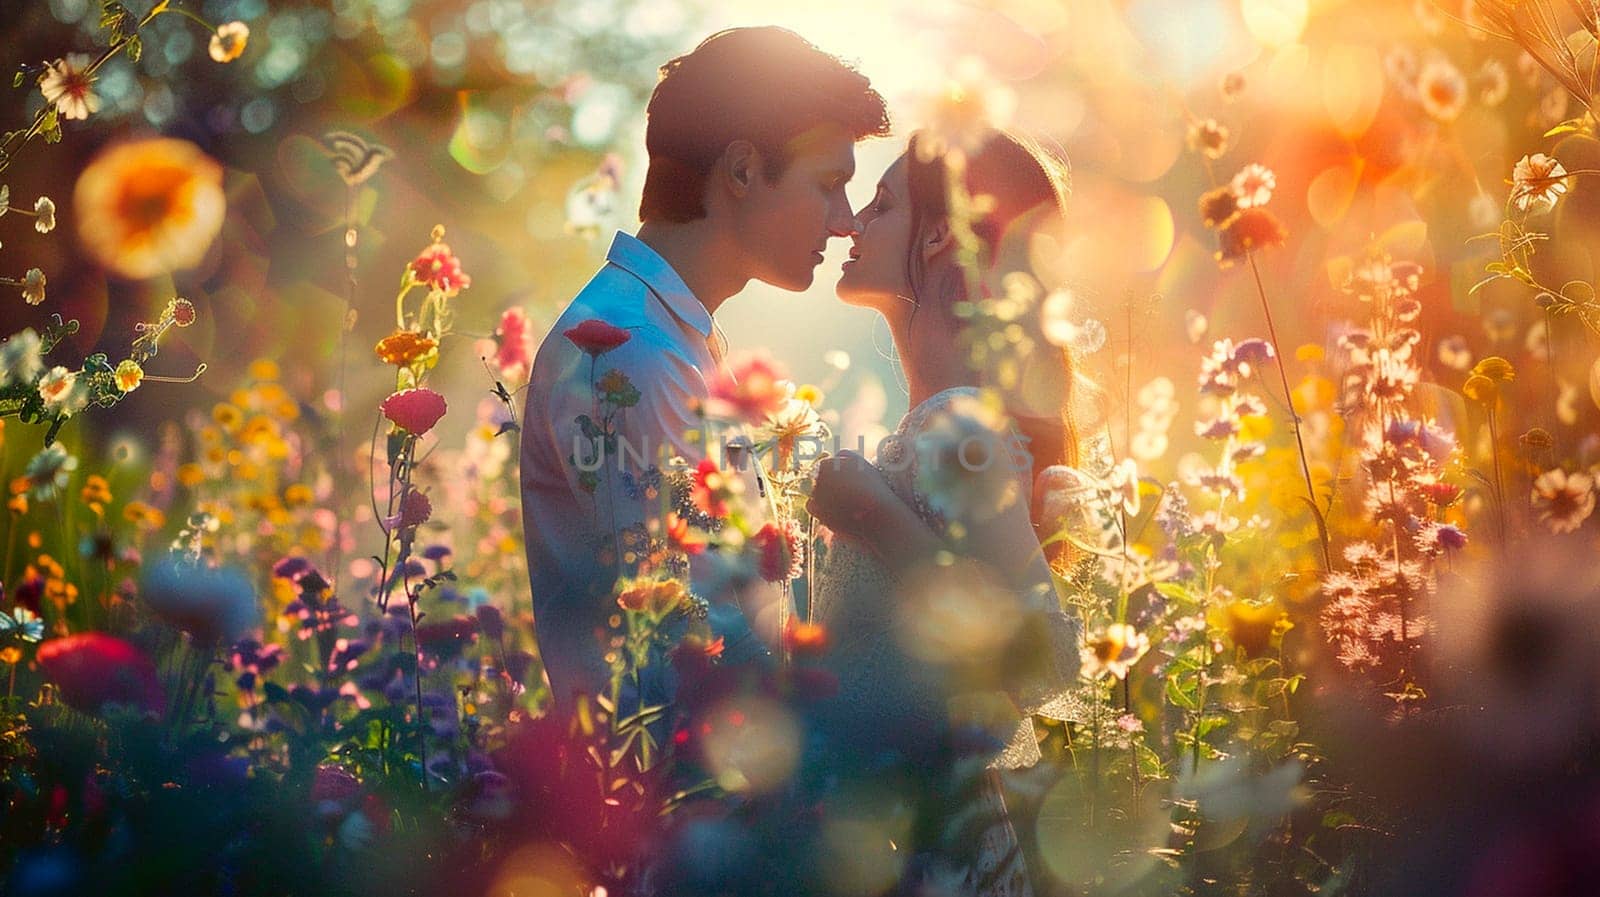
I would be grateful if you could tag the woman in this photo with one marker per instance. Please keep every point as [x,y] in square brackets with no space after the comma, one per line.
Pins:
[936,593]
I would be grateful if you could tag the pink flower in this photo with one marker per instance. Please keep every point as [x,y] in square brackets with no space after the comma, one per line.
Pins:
[92,669]
[514,352]
[596,337]
[749,387]
[414,410]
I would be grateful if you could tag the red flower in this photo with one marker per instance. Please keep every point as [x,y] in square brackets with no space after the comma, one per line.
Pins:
[92,669]
[415,509]
[682,537]
[439,268]
[711,490]
[782,552]
[595,336]
[414,410]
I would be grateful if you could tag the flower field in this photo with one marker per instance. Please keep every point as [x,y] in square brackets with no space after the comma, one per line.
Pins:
[273,278]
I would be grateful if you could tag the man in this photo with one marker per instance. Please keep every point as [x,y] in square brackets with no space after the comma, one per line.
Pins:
[751,142]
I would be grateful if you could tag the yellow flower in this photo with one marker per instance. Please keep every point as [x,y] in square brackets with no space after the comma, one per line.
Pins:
[96,491]
[144,516]
[809,394]
[298,495]
[404,347]
[1495,368]
[149,207]
[264,369]
[1252,627]
[655,596]
[129,375]
[227,416]
[1480,389]
[227,42]
[190,475]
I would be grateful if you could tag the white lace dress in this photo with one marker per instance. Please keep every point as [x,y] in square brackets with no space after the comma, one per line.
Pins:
[860,602]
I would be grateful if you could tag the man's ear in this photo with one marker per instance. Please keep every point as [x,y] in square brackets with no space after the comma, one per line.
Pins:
[937,238]
[740,166]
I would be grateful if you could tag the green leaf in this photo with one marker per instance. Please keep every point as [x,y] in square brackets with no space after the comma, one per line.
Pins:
[17,79]
[135,48]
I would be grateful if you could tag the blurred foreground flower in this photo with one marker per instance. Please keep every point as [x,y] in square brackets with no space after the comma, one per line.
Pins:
[93,669]
[150,207]
[1536,183]
[782,551]
[212,604]
[515,344]
[1442,89]
[21,357]
[1253,185]
[227,42]
[63,393]
[1209,138]
[1248,231]
[749,388]
[65,84]
[1564,500]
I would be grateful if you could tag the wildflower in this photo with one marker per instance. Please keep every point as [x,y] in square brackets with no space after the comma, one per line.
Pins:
[33,284]
[1209,138]
[181,311]
[1251,627]
[1232,86]
[404,347]
[44,215]
[92,669]
[227,42]
[414,410]
[750,387]
[1217,206]
[151,206]
[1247,231]
[415,509]
[710,490]
[795,421]
[1563,500]
[1253,185]
[1442,90]
[653,596]
[96,491]
[63,394]
[803,638]
[1493,83]
[144,516]
[782,551]
[681,536]
[1537,182]
[210,603]
[65,83]
[23,623]
[595,337]
[514,344]
[128,375]
[1113,652]
[438,268]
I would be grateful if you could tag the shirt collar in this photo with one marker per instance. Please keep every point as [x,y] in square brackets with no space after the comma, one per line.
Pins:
[631,254]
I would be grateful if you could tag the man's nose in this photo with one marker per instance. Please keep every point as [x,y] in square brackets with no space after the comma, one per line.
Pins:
[845,224]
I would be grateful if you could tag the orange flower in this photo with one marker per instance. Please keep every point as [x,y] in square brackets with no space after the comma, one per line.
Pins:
[1248,231]
[655,596]
[149,207]
[805,639]
[404,347]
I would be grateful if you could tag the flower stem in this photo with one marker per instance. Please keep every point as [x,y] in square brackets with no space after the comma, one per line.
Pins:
[1294,417]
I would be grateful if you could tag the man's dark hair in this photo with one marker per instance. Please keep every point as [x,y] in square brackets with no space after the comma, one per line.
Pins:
[766,85]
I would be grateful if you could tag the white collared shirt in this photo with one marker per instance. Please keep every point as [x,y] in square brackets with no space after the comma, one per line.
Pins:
[666,358]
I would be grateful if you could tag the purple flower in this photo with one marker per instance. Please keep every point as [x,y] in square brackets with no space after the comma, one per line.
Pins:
[1254,351]
[291,568]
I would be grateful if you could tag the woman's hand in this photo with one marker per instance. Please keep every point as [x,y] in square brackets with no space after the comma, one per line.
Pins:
[848,494]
